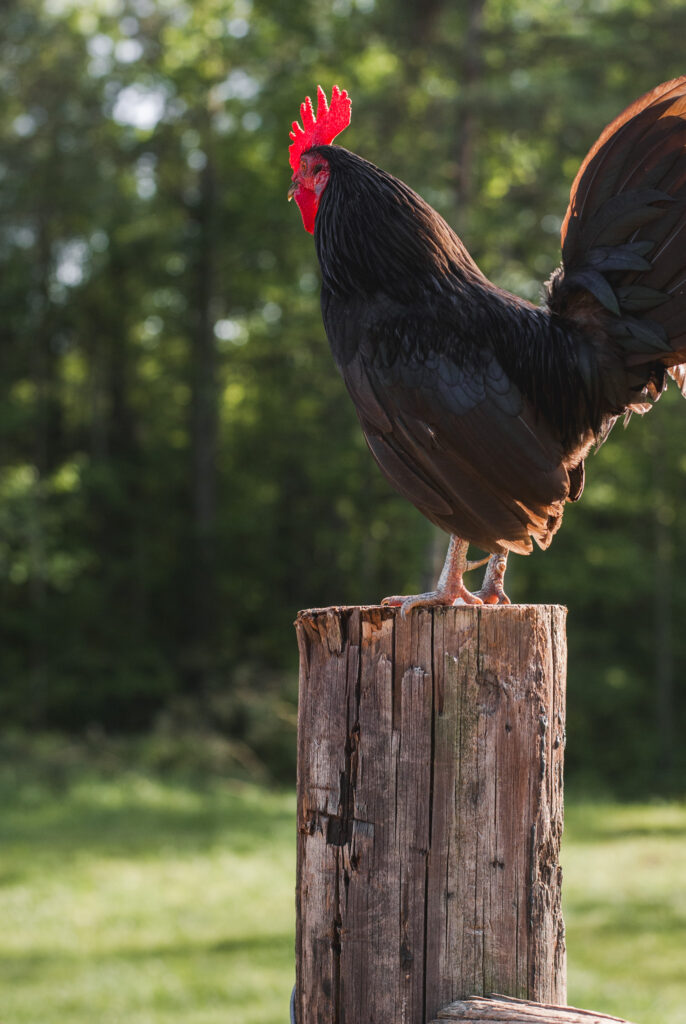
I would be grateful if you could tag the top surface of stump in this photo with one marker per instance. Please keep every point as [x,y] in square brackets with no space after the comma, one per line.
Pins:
[492,609]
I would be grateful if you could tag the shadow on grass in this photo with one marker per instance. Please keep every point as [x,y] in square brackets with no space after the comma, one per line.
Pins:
[639,821]
[140,816]
[635,918]
[22,964]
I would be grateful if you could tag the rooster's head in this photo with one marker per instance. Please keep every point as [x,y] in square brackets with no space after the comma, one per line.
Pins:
[311,170]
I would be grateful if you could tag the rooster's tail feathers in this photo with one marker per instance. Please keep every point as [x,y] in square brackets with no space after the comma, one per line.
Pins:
[624,235]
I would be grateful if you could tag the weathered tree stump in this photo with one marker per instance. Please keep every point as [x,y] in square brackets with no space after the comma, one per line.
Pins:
[429,810]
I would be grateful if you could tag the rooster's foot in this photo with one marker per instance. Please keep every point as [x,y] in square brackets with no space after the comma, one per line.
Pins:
[492,587]
[450,588]
[432,599]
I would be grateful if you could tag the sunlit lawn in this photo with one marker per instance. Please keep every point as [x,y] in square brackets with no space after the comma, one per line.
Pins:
[625,909]
[147,903]
[130,899]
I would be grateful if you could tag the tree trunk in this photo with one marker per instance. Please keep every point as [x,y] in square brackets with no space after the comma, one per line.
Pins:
[467,131]
[429,810]
[663,648]
[203,593]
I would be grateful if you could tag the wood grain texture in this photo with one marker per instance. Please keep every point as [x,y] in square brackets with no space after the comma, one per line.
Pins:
[429,810]
[504,1010]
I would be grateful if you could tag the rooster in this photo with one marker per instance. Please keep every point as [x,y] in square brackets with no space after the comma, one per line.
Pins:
[479,407]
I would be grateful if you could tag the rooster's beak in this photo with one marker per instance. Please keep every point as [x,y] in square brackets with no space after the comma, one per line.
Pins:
[293,189]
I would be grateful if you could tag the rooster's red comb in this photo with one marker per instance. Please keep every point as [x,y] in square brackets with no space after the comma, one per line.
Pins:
[322,129]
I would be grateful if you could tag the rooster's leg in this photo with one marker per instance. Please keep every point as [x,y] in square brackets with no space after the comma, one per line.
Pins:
[492,587]
[450,587]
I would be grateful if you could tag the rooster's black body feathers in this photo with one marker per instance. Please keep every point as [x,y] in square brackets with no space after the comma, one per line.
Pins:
[479,407]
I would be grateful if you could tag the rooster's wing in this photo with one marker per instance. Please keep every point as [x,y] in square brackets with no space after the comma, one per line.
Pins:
[450,430]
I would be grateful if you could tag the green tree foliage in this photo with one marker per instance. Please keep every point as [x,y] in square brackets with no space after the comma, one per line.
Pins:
[181,468]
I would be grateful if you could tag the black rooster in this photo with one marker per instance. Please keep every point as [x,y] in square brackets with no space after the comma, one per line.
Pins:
[479,407]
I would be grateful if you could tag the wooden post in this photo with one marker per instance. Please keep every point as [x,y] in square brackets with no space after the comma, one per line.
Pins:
[429,810]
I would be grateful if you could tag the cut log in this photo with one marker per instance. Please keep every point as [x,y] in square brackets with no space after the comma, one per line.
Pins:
[429,810]
[505,1010]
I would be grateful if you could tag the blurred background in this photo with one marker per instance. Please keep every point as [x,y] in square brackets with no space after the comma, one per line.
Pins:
[181,470]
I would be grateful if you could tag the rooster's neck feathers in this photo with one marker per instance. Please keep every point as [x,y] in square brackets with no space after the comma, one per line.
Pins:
[374,234]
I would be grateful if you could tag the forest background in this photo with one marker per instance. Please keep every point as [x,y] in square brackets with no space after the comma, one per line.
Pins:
[181,469]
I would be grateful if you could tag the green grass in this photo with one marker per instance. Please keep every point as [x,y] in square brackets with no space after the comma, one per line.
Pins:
[134,900]
[625,909]
[128,898]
